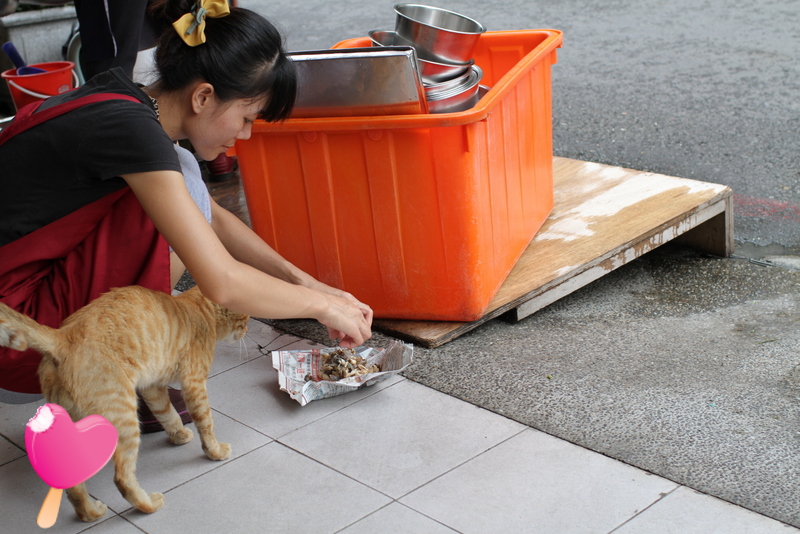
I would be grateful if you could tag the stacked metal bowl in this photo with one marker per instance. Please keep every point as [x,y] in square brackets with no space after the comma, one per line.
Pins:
[445,43]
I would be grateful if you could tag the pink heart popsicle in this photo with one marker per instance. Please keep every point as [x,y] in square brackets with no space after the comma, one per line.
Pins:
[64,453]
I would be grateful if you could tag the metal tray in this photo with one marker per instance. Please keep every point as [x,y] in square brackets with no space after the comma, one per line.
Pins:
[358,82]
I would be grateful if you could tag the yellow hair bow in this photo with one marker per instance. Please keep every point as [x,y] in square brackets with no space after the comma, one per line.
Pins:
[191,26]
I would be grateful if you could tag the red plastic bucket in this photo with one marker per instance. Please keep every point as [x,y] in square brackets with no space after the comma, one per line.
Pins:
[59,78]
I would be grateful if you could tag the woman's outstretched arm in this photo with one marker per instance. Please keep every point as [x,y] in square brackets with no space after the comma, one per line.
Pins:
[226,277]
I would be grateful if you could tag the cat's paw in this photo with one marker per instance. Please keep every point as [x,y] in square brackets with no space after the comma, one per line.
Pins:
[221,452]
[181,436]
[156,502]
[92,511]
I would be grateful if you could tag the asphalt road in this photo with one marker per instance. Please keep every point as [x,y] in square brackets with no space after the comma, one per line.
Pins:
[708,90]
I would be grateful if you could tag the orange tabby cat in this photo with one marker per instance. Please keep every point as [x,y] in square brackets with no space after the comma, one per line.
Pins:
[128,340]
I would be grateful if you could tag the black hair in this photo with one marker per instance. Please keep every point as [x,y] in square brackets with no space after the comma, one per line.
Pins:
[243,57]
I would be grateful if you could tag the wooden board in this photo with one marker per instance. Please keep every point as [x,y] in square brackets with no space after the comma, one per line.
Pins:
[603,218]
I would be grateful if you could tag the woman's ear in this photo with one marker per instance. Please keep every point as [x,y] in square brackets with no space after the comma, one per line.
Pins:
[202,97]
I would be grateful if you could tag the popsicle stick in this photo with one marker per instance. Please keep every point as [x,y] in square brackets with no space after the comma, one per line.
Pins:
[48,513]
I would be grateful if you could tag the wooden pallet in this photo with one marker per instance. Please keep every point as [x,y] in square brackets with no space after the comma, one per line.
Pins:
[603,218]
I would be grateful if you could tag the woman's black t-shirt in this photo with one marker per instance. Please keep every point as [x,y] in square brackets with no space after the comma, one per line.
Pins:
[61,165]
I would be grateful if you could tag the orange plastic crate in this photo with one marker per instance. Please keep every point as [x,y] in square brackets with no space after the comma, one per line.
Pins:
[419,216]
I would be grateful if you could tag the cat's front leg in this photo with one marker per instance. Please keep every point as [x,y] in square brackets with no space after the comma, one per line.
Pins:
[196,398]
[157,399]
[220,451]
[88,509]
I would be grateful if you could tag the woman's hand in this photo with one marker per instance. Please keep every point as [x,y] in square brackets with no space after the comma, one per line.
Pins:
[346,341]
[313,283]
[346,319]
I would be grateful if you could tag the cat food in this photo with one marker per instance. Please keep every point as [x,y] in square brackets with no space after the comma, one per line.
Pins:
[343,363]
[312,374]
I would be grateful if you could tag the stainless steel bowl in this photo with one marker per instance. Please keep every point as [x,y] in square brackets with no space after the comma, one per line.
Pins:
[387,38]
[451,98]
[430,71]
[438,34]
[447,85]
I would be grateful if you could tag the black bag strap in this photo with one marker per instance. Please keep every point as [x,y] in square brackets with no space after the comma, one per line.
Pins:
[27,117]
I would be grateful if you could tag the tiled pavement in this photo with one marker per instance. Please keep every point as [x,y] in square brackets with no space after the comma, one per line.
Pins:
[394,458]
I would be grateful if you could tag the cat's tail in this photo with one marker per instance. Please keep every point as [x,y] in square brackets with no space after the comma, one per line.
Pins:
[18,331]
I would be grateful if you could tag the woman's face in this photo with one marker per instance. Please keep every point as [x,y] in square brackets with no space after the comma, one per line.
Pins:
[219,124]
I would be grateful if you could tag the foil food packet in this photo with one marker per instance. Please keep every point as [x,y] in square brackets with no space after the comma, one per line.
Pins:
[312,374]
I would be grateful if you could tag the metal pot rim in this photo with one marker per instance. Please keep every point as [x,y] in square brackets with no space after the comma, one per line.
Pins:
[481,27]
[472,80]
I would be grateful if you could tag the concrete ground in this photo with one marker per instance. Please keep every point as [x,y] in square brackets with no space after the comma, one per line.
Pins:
[395,457]
[682,365]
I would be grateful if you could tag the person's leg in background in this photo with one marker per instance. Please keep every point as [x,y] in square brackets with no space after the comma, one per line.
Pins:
[111,32]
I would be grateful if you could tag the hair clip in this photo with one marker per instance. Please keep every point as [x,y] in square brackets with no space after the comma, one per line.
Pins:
[191,26]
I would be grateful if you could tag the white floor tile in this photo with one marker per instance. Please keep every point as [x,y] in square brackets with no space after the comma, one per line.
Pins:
[229,355]
[9,451]
[114,525]
[287,342]
[264,334]
[397,519]
[535,481]
[259,339]
[685,511]
[272,489]
[21,495]
[250,394]
[163,466]
[14,417]
[402,438]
